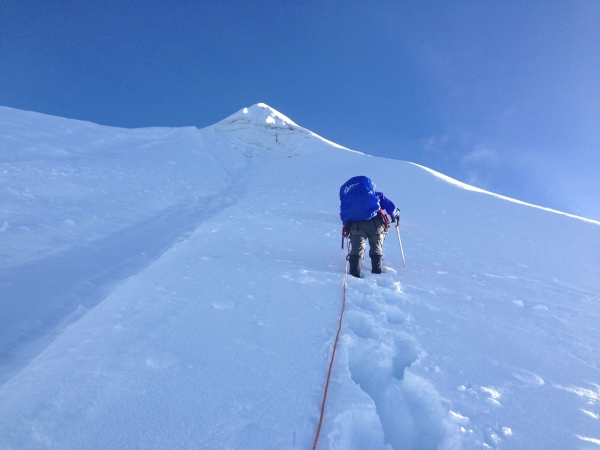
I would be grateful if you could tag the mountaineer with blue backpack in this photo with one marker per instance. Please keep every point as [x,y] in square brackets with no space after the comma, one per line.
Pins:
[362,212]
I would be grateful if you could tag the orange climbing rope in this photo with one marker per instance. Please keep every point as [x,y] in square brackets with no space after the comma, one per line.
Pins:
[337,337]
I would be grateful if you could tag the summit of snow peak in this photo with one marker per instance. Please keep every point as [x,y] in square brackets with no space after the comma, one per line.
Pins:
[261,114]
[252,124]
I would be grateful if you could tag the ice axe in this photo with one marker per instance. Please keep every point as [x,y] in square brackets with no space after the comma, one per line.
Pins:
[400,240]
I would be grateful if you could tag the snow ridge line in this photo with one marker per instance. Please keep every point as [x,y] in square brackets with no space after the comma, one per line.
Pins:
[337,337]
[468,187]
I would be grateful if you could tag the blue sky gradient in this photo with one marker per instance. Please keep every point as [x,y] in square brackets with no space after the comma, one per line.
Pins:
[504,95]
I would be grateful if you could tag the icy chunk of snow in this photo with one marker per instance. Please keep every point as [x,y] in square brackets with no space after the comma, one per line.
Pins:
[527,377]
[588,394]
[223,305]
[458,417]
[591,414]
[589,439]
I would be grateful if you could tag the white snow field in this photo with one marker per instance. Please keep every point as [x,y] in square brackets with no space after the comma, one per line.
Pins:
[180,289]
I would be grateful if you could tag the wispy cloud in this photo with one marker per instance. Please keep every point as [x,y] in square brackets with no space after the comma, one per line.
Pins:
[434,143]
[481,155]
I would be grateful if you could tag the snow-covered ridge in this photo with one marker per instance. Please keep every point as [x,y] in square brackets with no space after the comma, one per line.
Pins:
[180,288]
[29,135]
[468,187]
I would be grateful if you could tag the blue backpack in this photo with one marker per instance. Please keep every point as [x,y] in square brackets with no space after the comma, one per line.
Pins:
[358,200]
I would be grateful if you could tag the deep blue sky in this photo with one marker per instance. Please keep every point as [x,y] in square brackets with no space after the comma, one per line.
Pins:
[504,95]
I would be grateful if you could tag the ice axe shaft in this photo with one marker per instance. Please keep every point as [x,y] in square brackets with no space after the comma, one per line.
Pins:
[400,241]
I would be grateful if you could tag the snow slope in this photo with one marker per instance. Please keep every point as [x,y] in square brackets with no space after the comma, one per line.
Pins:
[180,288]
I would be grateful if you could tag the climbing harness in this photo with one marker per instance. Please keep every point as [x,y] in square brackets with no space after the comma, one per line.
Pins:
[337,337]
[384,217]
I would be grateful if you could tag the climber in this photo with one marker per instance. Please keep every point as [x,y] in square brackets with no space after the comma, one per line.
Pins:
[362,213]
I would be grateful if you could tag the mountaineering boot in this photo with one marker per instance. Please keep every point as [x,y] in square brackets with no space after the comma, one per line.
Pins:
[355,263]
[376,263]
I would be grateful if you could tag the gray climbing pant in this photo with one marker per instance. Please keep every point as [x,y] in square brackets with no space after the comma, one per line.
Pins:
[372,230]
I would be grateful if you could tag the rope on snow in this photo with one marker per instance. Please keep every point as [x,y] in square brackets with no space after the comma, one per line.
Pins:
[337,336]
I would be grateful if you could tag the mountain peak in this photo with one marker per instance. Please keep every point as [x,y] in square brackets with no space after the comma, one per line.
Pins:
[261,114]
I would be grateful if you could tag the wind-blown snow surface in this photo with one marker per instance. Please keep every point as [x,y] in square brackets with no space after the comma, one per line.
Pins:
[180,288]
